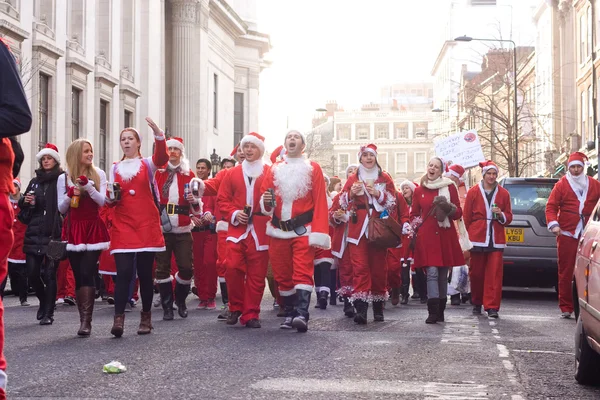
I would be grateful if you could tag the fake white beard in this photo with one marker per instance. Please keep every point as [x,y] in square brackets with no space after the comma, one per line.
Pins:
[184,164]
[368,173]
[253,169]
[293,178]
[129,168]
[579,182]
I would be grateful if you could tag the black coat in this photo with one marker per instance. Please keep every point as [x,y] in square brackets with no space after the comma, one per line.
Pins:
[40,218]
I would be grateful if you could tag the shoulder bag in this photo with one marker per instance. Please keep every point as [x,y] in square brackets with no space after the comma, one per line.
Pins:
[57,248]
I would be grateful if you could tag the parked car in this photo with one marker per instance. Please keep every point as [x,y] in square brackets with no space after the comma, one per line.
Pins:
[586,296]
[530,257]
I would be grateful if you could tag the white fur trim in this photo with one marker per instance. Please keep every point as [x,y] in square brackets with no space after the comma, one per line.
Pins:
[201,187]
[454,173]
[255,141]
[319,240]
[12,260]
[128,168]
[182,281]
[279,234]
[322,289]
[253,169]
[575,162]
[323,260]
[166,280]
[140,250]
[488,167]
[222,226]
[302,286]
[175,143]
[47,152]
[345,291]
[222,279]
[263,209]
[552,224]
[364,296]
[379,297]
[286,293]
[77,248]
[102,272]
[408,183]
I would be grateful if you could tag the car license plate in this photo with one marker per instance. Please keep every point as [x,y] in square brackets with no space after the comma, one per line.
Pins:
[515,235]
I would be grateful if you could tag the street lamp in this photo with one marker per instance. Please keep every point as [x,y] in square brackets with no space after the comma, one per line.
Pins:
[516,124]
[215,160]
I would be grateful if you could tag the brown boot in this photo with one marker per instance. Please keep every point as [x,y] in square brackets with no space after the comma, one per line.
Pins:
[117,328]
[85,302]
[145,323]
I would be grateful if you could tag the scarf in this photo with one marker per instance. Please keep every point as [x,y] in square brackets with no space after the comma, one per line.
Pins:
[442,184]
[172,171]
[368,173]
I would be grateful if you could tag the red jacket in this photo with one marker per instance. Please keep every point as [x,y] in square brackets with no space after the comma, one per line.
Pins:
[340,228]
[565,209]
[477,216]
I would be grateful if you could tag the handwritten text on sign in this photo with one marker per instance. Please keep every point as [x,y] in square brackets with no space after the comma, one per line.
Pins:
[461,148]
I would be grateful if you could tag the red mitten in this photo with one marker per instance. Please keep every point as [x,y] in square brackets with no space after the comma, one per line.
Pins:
[71,192]
[83,179]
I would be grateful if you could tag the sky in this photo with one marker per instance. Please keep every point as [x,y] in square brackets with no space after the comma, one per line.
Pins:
[340,50]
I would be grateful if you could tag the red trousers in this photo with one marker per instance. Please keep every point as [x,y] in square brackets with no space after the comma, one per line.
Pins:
[394,267]
[485,273]
[292,263]
[370,271]
[205,264]
[245,278]
[109,285]
[6,242]
[222,255]
[567,252]
[346,275]
[65,281]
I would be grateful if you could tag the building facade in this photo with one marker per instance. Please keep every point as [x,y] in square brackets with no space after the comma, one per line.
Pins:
[91,68]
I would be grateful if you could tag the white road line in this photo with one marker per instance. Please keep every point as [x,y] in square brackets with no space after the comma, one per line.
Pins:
[502,350]
[431,390]
[531,318]
[545,352]
[463,331]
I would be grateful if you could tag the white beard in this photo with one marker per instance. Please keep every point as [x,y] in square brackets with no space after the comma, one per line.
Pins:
[129,168]
[252,169]
[365,173]
[579,182]
[293,179]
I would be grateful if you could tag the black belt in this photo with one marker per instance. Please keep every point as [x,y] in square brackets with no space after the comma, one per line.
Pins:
[173,209]
[363,207]
[294,223]
[203,229]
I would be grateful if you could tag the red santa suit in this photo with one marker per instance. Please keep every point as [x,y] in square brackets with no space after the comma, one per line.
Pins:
[339,248]
[16,255]
[394,256]
[569,207]
[247,243]
[488,238]
[205,253]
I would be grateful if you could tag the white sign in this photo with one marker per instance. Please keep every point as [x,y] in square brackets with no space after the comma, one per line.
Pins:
[461,148]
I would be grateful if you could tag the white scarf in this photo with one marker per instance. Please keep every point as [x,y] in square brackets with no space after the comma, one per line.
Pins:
[442,184]
[368,173]
[579,183]
[252,169]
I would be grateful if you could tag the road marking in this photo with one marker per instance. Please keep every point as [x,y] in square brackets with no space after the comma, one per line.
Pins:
[530,318]
[502,350]
[545,352]
[461,331]
[431,390]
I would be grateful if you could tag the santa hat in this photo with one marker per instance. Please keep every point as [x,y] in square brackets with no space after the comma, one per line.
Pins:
[278,152]
[50,150]
[17,182]
[350,166]
[298,132]
[176,142]
[577,158]
[234,151]
[255,139]
[455,170]
[487,165]
[370,148]
[408,183]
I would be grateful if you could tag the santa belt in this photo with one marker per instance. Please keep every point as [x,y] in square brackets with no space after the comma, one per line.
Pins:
[294,223]
[364,207]
[173,209]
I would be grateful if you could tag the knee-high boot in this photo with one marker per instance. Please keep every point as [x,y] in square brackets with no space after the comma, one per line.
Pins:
[361,311]
[166,299]
[300,321]
[378,311]
[181,293]
[433,307]
[288,306]
[85,302]
[50,293]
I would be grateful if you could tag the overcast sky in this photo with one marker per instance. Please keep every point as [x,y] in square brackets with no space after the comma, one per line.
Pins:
[342,50]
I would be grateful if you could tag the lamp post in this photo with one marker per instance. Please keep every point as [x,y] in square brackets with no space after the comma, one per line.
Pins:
[215,161]
[516,124]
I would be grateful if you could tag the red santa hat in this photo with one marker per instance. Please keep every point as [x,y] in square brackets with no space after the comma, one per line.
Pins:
[577,158]
[17,182]
[50,150]
[176,142]
[370,148]
[234,151]
[487,165]
[255,139]
[348,168]
[277,153]
[408,183]
[455,170]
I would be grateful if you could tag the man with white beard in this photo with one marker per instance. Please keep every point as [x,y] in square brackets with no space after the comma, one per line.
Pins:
[568,209]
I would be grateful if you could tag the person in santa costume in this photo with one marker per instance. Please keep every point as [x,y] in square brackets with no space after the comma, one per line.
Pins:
[136,234]
[487,211]
[323,264]
[81,192]
[238,199]
[395,255]
[16,257]
[367,194]
[40,208]
[456,173]
[569,207]
[419,281]
[434,208]
[179,205]
[299,225]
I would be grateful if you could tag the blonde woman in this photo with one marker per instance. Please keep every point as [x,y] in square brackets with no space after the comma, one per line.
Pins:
[81,194]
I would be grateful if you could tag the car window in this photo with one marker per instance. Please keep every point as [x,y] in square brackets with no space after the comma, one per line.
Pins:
[530,199]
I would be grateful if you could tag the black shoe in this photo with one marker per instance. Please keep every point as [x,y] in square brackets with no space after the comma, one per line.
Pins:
[415,296]
[322,300]
[455,300]
[253,323]
[40,312]
[46,320]
[110,300]
[423,300]
[286,324]
[300,323]
[361,312]
[70,301]
[492,313]
[433,308]
[378,311]
[233,317]
[181,293]
[348,308]
[466,298]
[476,310]
[166,300]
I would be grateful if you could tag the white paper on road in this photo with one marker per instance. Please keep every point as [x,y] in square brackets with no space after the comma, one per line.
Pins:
[461,148]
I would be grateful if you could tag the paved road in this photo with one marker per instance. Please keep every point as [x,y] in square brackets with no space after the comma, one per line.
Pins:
[526,354]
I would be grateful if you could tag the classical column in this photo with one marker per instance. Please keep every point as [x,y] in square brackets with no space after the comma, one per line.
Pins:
[185,94]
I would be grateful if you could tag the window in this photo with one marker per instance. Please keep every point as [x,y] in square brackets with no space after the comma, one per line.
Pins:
[582,37]
[75,113]
[343,163]
[127,118]
[238,117]
[363,131]
[590,114]
[43,105]
[382,159]
[583,117]
[420,161]
[343,131]
[421,128]
[401,163]
[400,130]
[215,99]
[102,135]
[382,131]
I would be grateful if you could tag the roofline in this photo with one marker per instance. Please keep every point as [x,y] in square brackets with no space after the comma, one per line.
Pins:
[440,56]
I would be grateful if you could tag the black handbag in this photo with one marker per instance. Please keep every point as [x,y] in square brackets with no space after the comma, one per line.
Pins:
[57,248]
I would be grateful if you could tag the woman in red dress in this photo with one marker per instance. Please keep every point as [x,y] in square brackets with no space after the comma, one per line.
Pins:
[136,233]
[81,193]
[434,208]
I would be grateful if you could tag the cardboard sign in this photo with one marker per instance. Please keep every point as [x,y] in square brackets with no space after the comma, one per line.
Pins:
[461,148]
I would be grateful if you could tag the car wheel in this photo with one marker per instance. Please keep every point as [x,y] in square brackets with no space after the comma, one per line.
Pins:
[587,361]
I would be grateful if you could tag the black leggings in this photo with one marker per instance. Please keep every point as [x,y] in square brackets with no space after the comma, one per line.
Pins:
[38,281]
[85,267]
[126,264]
[18,280]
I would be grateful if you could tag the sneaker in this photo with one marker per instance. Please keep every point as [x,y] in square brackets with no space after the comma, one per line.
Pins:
[565,315]
[492,313]
[110,300]
[300,323]
[275,305]
[286,324]
[24,303]
[476,310]
[133,302]
[211,304]
[224,313]
[128,307]
[156,302]
[70,301]
[202,305]
[60,301]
